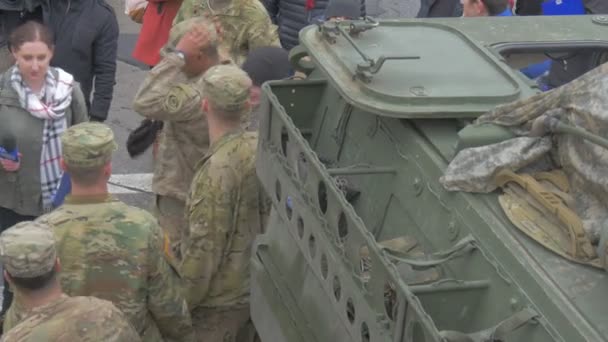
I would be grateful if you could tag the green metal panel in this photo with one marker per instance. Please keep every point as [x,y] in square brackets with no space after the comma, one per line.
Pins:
[468,82]
[540,30]
[311,279]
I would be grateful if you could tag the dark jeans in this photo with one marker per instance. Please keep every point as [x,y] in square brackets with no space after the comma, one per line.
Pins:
[9,218]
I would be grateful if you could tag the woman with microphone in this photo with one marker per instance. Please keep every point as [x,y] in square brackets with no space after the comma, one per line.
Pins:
[37,104]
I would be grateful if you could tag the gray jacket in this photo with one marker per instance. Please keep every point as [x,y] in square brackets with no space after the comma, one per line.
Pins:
[291,16]
[21,191]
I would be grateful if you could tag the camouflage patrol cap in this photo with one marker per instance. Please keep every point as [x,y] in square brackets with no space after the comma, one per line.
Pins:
[27,249]
[227,87]
[179,30]
[88,144]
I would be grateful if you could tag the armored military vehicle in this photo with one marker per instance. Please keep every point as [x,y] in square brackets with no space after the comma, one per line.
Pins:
[364,243]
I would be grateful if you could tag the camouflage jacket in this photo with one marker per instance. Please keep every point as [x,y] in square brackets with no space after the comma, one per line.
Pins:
[166,94]
[85,319]
[115,252]
[226,210]
[245,24]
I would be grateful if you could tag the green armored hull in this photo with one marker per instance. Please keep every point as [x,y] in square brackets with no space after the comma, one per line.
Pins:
[363,243]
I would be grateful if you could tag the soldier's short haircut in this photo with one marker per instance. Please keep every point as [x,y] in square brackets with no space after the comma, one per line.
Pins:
[85,176]
[495,7]
[35,283]
[227,115]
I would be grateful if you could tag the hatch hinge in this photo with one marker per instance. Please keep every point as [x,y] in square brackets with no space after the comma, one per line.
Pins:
[365,70]
[330,30]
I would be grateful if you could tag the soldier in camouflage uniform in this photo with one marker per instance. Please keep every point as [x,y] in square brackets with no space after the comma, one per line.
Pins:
[169,94]
[245,24]
[110,250]
[29,258]
[226,210]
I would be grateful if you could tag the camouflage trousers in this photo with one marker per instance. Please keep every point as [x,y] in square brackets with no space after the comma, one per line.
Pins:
[170,214]
[223,325]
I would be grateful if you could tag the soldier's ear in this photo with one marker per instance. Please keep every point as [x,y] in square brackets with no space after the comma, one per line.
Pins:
[248,104]
[62,164]
[57,266]
[205,105]
[7,277]
[481,7]
[107,170]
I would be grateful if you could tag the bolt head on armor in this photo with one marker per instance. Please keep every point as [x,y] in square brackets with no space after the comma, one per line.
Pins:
[27,249]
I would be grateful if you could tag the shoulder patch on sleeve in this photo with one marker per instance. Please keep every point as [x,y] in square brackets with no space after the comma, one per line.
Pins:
[179,96]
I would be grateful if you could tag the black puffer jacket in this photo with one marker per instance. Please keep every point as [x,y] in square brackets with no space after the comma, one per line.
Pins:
[291,16]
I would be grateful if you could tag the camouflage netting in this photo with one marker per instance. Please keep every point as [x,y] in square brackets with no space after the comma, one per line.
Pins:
[582,103]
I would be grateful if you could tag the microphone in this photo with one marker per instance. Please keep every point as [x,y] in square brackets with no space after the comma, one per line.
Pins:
[8,148]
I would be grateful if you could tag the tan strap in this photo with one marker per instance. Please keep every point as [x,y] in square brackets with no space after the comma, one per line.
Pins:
[580,245]
[556,177]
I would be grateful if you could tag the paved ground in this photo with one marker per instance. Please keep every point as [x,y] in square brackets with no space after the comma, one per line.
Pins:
[135,174]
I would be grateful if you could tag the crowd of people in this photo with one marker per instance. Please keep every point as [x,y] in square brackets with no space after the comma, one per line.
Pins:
[94,267]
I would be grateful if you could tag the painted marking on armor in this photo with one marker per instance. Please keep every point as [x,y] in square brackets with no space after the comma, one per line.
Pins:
[131,183]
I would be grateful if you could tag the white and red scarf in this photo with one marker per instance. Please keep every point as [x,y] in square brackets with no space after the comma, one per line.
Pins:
[50,105]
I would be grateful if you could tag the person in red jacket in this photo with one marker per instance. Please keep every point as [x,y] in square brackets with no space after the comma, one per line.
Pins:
[154,34]
[157,22]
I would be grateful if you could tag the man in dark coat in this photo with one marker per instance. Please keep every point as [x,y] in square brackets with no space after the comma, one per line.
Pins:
[86,38]
[293,15]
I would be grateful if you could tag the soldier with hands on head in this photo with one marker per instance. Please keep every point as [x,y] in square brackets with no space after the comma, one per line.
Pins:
[110,250]
[31,266]
[169,93]
[245,25]
[226,210]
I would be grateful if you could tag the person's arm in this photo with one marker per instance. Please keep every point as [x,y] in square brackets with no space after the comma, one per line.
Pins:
[210,219]
[78,105]
[104,68]
[164,95]
[165,300]
[261,31]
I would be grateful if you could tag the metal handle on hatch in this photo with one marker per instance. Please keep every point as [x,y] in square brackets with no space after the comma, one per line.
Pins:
[369,66]
[375,65]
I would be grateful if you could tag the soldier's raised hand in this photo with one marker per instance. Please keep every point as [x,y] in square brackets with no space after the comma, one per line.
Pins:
[194,41]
